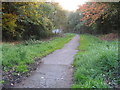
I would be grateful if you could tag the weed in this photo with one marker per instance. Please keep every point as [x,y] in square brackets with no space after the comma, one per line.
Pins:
[18,58]
[97,66]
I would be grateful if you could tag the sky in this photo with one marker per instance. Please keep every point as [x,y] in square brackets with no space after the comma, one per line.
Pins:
[70,5]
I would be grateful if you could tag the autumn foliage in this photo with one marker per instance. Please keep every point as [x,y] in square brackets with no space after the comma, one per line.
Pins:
[30,20]
[93,11]
[96,18]
[109,37]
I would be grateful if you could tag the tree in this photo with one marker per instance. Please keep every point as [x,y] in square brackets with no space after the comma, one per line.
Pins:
[25,20]
[99,15]
[58,16]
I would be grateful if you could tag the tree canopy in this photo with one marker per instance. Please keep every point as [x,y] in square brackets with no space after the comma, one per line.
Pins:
[96,17]
[36,20]
[25,20]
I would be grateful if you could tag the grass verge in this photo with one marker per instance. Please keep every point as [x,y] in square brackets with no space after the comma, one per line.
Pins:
[96,64]
[17,60]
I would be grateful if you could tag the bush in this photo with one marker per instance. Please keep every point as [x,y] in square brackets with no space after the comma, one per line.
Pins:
[32,41]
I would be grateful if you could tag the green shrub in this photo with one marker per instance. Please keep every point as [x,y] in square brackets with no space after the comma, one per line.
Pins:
[32,41]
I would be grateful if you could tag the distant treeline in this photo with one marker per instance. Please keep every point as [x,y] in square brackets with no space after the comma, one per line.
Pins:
[95,18]
[36,20]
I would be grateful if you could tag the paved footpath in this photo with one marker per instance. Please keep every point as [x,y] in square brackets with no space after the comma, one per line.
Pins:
[55,71]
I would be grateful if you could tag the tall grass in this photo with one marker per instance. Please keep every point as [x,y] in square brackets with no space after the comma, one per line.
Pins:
[18,57]
[96,64]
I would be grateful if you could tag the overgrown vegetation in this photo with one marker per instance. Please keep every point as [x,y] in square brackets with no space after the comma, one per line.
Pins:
[18,59]
[96,64]
[31,20]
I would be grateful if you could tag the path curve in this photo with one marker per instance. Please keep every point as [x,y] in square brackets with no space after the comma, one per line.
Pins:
[55,71]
